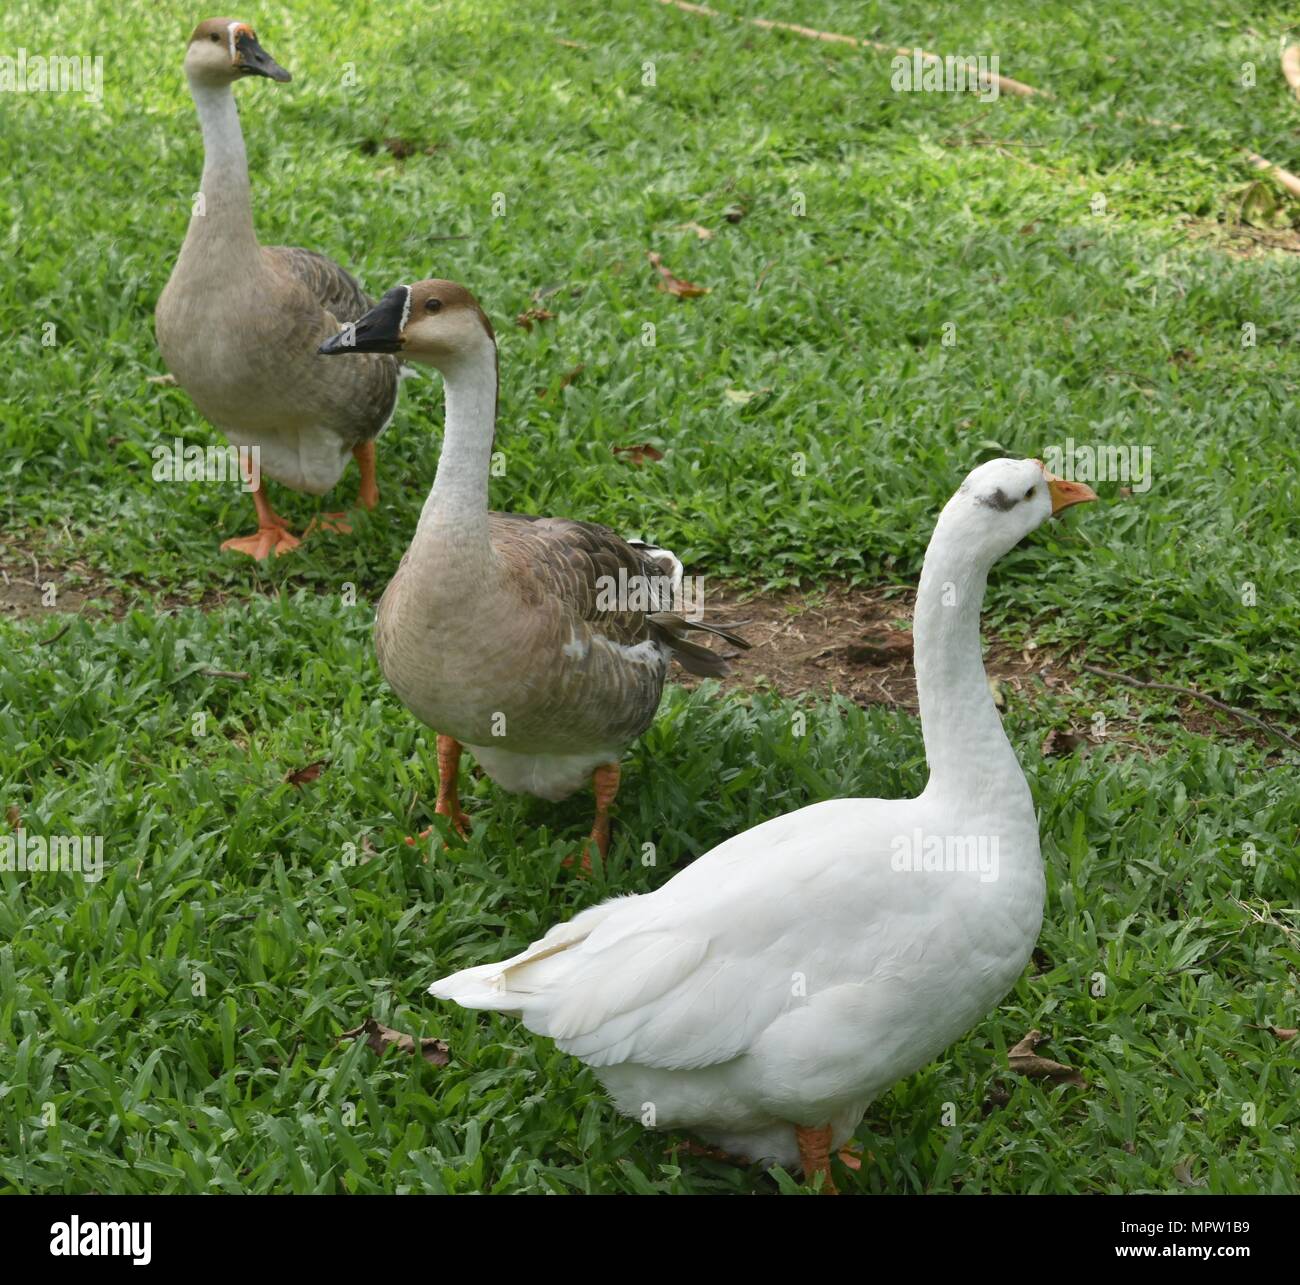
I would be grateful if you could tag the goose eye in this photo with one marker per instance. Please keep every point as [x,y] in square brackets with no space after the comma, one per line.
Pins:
[432,305]
[216,39]
[1029,494]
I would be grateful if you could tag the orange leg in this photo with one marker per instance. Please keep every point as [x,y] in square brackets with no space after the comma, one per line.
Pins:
[815,1156]
[604,781]
[367,493]
[272,535]
[448,804]
[368,489]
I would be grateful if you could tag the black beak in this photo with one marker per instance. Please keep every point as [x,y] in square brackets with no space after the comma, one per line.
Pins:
[253,60]
[380,330]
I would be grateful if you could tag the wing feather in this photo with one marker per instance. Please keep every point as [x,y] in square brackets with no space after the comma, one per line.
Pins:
[693,974]
[334,288]
[622,590]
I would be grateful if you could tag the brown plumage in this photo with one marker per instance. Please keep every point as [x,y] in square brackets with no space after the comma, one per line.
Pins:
[541,644]
[239,324]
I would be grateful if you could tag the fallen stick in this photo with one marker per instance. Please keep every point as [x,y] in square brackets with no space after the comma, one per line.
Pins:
[1004,83]
[1285,177]
[53,638]
[1290,68]
[1200,696]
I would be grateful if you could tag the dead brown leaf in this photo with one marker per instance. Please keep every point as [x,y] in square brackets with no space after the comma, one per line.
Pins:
[301,776]
[13,816]
[526,319]
[1183,1172]
[639,454]
[1024,1061]
[1064,742]
[1282,1033]
[997,1097]
[702,232]
[674,285]
[881,648]
[380,1037]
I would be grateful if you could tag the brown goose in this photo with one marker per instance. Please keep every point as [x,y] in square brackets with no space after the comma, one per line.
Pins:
[239,323]
[516,637]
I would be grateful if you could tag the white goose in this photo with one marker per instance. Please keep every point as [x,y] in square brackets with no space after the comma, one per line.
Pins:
[766,994]
[239,323]
[540,644]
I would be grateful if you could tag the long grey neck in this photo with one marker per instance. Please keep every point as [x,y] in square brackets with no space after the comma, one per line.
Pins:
[226,212]
[453,524]
[967,750]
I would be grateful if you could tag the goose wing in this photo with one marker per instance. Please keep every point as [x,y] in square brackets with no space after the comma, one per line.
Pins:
[692,975]
[592,571]
[371,380]
[333,287]
[622,591]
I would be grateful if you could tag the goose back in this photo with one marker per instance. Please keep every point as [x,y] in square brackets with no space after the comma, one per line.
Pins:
[548,653]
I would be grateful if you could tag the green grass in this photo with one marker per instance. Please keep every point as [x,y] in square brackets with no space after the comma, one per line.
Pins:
[296,913]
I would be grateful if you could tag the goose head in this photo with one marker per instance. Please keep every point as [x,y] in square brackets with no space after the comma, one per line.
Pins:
[223,50]
[437,323]
[1001,502]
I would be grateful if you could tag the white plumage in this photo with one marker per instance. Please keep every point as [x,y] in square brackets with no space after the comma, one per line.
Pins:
[797,970]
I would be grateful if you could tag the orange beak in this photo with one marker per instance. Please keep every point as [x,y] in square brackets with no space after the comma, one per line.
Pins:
[1065,493]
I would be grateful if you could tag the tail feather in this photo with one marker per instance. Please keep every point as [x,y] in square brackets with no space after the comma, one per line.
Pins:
[490,985]
[671,629]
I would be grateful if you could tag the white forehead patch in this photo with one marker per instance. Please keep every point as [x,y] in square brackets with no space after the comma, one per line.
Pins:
[406,310]
[230,31]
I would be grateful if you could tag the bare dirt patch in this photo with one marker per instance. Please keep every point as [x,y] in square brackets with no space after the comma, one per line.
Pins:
[31,586]
[857,643]
[853,642]
[31,564]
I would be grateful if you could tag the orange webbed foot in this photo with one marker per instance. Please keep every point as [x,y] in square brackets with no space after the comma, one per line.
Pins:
[693,1148]
[263,542]
[460,822]
[337,523]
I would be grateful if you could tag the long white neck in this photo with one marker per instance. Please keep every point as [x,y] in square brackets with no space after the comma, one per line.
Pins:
[226,212]
[967,750]
[454,521]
